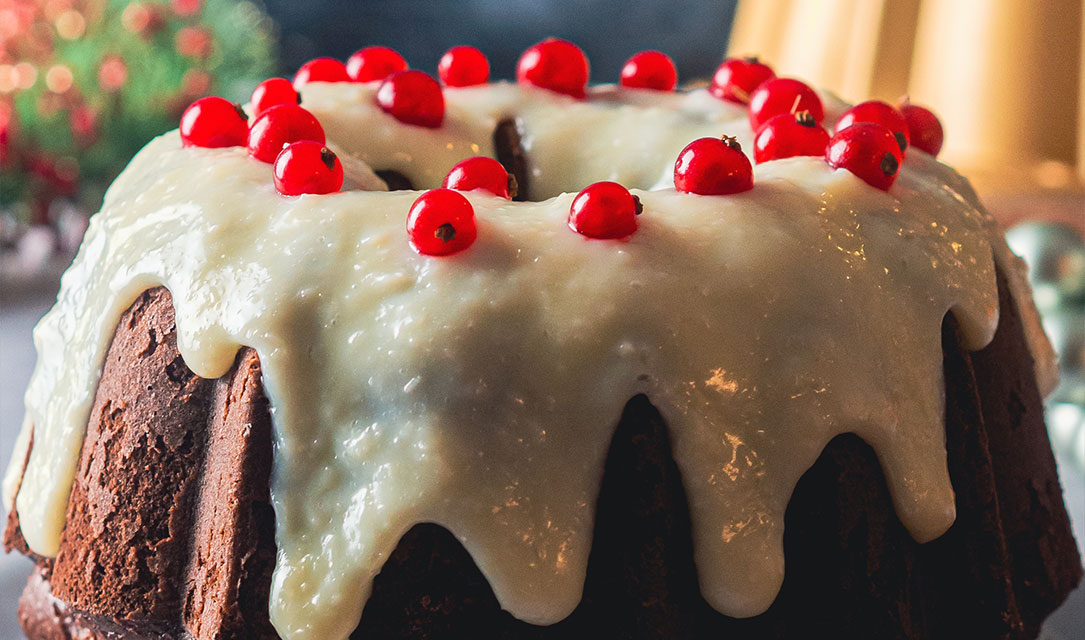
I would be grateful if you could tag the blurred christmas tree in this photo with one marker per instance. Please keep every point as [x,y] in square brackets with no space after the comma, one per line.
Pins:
[85,83]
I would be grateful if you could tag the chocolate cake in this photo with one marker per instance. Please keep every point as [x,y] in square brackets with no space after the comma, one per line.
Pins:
[298,426]
[190,547]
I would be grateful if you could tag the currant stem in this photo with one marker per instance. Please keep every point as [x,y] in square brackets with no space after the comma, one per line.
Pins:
[445,233]
[732,142]
[795,105]
[327,156]
[889,164]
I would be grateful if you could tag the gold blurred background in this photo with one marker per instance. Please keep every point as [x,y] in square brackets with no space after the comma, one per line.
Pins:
[1007,78]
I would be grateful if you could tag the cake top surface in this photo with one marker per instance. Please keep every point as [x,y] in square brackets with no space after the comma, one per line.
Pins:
[480,390]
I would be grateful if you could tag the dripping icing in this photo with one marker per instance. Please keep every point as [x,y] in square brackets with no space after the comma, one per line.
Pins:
[469,381]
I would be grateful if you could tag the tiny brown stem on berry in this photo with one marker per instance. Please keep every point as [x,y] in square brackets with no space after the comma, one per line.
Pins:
[638,206]
[731,142]
[751,60]
[741,94]
[240,111]
[889,164]
[805,119]
[795,105]
[514,187]
[901,140]
[327,157]
[445,233]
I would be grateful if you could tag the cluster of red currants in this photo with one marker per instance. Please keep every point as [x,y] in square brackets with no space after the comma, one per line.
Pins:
[283,133]
[442,221]
[870,139]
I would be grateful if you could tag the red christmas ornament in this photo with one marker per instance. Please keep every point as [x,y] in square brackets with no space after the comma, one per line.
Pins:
[185,7]
[142,19]
[604,210]
[650,70]
[195,83]
[374,63]
[412,97]
[112,74]
[441,222]
[193,42]
[463,66]
[557,65]
[84,125]
[6,125]
[713,166]
[307,167]
[868,150]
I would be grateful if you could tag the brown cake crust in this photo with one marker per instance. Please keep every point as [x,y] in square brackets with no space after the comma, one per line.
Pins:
[853,571]
[232,554]
[129,514]
[510,153]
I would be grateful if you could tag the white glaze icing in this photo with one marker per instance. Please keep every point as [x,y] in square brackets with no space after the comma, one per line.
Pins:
[480,391]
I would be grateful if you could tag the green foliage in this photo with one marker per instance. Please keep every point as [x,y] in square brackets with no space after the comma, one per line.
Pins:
[134,68]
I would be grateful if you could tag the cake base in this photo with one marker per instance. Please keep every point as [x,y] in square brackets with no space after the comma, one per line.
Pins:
[192,557]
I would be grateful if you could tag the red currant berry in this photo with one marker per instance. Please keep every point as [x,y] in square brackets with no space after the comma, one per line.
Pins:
[557,65]
[783,95]
[877,112]
[307,167]
[412,97]
[279,126]
[737,78]
[214,122]
[868,150]
[604,210]
[786,136]
[650,70]
[271,92]
[712,167]
[440,222]
[374,63]
[481,173]
[924,129]
[320,70]
[463,66]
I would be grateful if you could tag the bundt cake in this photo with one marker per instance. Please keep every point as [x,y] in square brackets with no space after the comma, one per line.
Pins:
[264,409]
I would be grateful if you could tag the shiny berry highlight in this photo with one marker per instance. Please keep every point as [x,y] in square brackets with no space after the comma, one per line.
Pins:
[307,167]
[214,122]
[463,66]
[605,211]
[441,222]
[481,173]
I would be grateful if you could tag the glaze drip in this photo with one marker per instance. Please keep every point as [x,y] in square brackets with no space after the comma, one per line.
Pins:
[480,391]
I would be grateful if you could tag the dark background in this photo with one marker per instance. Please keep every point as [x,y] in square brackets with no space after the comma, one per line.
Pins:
[609,31]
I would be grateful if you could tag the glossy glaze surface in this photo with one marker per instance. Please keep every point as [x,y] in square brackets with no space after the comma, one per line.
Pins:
[479,391]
